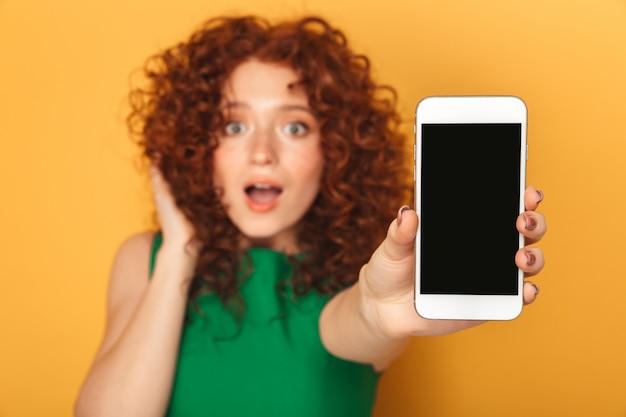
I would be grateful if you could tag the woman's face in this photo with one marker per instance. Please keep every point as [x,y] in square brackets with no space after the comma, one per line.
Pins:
[269,162]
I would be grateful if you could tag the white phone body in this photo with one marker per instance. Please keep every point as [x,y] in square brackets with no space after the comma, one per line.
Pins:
[470,170]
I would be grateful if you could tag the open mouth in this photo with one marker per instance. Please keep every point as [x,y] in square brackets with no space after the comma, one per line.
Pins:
[262,197]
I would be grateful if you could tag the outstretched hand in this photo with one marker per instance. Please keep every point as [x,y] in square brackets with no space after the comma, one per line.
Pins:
[387,280]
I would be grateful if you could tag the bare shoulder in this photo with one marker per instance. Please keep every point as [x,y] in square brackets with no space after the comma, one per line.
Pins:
[142,239]
[129,274]
[139,244]
[128,282]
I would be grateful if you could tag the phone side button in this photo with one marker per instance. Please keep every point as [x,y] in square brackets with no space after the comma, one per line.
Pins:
[527,152]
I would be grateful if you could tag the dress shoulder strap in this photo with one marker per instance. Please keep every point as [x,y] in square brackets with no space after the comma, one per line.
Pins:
[156,244]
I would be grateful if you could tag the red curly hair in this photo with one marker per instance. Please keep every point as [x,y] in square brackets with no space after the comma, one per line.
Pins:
[365,180]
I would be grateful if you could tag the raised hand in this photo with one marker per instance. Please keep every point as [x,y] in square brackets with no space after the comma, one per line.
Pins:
[178,232]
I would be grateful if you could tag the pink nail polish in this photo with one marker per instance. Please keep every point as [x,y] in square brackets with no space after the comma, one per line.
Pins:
[402,210]
[536,288]
[531,223]
[540,199]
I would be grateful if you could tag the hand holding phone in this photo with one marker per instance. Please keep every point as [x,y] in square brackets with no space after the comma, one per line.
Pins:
[470,168]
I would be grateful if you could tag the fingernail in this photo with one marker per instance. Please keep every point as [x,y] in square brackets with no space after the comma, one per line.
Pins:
[540,199]
[536,288]
[402,210]
[531,223]
[530,258]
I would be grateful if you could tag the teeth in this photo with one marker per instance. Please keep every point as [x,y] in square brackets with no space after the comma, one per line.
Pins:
[262,186]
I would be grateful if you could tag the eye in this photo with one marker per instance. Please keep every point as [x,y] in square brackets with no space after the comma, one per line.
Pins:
[234,128]
[296,128]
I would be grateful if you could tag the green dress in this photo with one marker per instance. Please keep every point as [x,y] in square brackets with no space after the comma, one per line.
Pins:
[272,363]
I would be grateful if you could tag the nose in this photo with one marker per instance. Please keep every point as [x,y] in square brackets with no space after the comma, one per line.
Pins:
[263,148]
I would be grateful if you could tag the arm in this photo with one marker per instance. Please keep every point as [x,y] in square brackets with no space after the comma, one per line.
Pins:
[371,321]
[133,370]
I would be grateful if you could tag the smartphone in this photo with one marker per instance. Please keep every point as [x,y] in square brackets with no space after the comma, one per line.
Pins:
[470,170]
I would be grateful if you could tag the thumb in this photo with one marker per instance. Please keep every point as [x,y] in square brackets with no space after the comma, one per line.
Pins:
[401,235]
[390,269]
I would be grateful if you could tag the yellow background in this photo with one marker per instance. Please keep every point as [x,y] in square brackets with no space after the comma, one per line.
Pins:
[70,191]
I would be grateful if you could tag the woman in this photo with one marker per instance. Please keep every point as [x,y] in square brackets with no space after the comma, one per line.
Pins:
[267,291]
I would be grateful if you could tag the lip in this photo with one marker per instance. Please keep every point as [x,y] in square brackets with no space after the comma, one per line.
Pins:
[262,207]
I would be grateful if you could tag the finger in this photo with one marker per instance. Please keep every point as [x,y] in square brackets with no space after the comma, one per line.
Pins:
[156,179]
[532,225]
[401,234]
[530,260]
[164,200]
[531,291]
[389,271]
[532,198]
[161,189]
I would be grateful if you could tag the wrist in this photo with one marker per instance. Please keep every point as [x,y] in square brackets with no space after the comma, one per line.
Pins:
[176,260]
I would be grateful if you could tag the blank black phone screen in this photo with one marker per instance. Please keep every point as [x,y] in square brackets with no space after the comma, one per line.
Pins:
[470,186]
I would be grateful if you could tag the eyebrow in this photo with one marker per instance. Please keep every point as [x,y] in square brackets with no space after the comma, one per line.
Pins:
[286,107]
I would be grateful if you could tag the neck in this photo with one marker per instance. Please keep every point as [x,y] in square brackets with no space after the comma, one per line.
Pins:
[286,246]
